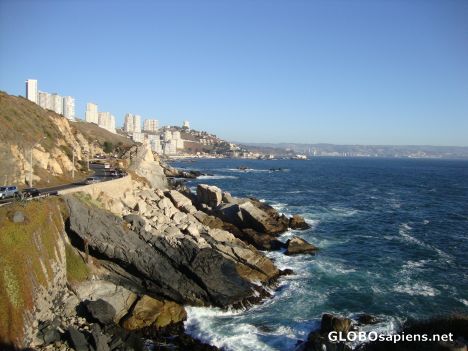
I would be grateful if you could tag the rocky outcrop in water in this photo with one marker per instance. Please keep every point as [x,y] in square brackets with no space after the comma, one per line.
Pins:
[319,340]
[298,222]
[296,246]
[250,220]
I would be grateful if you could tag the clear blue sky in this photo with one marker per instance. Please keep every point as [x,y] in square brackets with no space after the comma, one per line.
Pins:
[360,72]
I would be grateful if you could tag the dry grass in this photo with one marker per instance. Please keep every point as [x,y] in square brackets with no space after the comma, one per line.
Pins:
[92,132]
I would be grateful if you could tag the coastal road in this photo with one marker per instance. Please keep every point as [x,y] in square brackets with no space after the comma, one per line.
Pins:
[98,171]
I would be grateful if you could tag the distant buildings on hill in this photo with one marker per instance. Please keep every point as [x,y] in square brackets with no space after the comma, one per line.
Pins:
[63,105]
[132,123]
[104,120]
[151,125]
[166,140]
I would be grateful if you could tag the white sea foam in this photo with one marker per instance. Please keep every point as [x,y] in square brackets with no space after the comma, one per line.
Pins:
[344,211]
[332,267]
[248,170]
[463,301]
[217,177]
[405,235]
[416,289]
[411,265]
[204,323]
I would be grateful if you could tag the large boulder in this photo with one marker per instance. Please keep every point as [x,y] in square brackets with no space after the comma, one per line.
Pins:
[298,245]
[149,312]
[182,202]
[101,311]
[118,297]
[332,323]
[209,195]
[298,222]
[188,269]
[257,218]
[145,165]
[319,340]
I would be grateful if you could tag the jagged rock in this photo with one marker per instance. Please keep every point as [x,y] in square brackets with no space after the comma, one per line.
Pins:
[18,217]
[209,195]
[129,200]
[141,207]
[77,340]
[70,304]
[151,312]
[167,207]
[367,319]
[118,297]
[179,217]
[232,213]
[178,268]
[298,245]
[148,195]
[262,219]
[298,222]
[100,310]
[99,340]
[334,323]
[319,341]
[182,202]
[227,198]
[260,241]
[192,230]
[48,334]
[145,165]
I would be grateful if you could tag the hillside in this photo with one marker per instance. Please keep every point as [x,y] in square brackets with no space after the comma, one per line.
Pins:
[25,126]
[92,132]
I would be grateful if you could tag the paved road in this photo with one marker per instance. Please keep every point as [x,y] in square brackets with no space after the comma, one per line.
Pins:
[98,171]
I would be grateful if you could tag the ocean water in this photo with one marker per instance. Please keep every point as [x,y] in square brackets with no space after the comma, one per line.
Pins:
[393,239]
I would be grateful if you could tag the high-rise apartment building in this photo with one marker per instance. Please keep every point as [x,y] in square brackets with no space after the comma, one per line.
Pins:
[69,107]
[132,123]
[57,103]
[150,125]
[138,137]
[45,100]
[31,90]
[92,114]
[186,125]
[107,121]
[137,124]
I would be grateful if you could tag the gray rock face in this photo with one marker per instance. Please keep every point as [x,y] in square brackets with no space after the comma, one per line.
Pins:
[188,269]
[298,245]
[77,340]
[101,310]
[209,195]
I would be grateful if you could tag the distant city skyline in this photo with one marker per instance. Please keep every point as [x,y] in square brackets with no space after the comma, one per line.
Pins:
[360,72]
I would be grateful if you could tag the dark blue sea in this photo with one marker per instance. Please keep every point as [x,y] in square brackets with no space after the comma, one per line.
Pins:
[392,235]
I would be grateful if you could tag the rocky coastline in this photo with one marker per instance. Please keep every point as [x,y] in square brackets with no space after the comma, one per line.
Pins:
[150,250]
[151,247]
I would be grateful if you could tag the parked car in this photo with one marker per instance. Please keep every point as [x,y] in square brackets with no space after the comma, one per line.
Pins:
[92,180]
[9,191]
[31,192]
